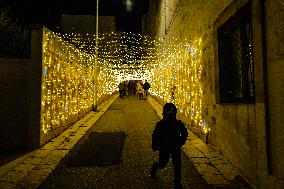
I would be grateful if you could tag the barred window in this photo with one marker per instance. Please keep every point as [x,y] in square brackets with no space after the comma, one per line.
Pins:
[236,78]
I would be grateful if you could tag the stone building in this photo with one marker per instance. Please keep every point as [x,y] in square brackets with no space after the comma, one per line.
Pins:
[243,48]
[84,24]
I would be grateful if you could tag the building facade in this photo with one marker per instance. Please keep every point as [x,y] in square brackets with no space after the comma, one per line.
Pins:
[84,24]
[242,61]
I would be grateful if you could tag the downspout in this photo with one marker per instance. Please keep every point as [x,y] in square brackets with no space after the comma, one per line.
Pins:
[95,103]
[165,18]
[266,92]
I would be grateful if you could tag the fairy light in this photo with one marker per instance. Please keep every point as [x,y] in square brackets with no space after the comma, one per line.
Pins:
[67,88]
[67,79]
[180,67]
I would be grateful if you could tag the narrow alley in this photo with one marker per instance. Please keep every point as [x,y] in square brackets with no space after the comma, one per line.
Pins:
[65,67]
[118,154]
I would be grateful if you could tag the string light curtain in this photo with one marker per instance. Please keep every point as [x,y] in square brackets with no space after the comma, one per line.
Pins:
[67,83]
[177,78]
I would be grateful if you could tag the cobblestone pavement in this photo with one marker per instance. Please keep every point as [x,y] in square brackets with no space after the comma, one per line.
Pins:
[137,119]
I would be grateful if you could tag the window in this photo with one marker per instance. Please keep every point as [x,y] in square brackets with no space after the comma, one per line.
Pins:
[236,78]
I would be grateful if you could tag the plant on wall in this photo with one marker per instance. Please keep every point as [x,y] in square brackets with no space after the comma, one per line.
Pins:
[14,36]
[7,22]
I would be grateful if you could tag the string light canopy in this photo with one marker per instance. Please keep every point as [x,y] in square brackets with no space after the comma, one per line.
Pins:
[118,50]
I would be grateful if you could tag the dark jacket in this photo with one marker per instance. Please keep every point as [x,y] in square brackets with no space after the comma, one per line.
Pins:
[146,86]
[169,135]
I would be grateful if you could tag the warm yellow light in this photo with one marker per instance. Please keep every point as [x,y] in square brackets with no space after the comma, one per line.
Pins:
[174,71]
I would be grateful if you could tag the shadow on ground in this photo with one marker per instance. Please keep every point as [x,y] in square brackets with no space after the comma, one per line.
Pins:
[100,149]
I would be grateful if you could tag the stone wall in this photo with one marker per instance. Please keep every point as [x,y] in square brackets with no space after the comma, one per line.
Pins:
[86,24]
[237,130]
[14,107]
[274,25]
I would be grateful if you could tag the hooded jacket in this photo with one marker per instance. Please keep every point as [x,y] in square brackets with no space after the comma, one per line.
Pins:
[169,135]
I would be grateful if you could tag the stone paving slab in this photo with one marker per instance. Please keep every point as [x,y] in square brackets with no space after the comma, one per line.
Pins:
[216,180]
[192,151]
[24,167]
[14,176]
[32,169]
[7,185]
[210,164]
[45,166]
[35,176]
[207,169]
[227,170]
[198,160]
[40,153]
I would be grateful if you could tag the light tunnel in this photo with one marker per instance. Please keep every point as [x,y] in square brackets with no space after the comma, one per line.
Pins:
[172,67]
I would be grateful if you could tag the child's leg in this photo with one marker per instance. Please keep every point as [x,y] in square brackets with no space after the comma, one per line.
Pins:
[176,160]
[163,161]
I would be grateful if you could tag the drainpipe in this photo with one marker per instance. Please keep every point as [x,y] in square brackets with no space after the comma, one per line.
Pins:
[95,106]
[266,92]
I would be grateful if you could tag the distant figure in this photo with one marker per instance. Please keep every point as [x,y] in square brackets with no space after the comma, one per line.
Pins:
[146,87]
[173,89]
[167,138]
[132,88]
[122,89]
[140,90]
[126,88]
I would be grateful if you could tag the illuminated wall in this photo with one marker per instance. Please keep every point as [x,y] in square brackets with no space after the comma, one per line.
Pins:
[239,131]
[173,70]
[67,84]
[182,61]
[177,78]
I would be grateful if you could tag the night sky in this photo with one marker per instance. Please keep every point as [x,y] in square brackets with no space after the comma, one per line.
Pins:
[49,14]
